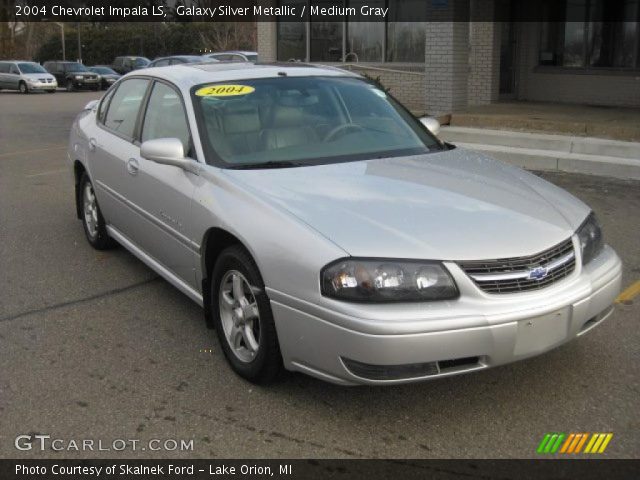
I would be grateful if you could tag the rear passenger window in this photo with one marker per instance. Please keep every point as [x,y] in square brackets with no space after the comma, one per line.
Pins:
[124,106]
[165,117]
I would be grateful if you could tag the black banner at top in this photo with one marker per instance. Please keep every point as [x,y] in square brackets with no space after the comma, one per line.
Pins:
[320,10]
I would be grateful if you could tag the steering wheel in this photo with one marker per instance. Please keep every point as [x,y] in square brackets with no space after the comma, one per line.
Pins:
[342,129]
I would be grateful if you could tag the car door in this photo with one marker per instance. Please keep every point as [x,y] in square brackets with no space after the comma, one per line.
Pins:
[114,152]
[13,79]
[4,73]
[162,194]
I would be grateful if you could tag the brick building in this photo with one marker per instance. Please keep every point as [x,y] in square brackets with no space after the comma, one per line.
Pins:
[443,66]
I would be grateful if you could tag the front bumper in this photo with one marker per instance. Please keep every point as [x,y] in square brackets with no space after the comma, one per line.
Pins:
[37,86]
[475,332]
[87,83]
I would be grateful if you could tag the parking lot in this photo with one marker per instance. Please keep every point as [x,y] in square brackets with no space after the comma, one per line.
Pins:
[93,345]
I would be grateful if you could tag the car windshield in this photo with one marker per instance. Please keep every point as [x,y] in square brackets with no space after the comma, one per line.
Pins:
[252,58]
[75,67]
[141,61]
[31,68]
[295,121]
[103,70]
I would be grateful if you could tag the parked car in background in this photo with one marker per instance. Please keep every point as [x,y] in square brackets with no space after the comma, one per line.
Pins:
[179,60]
[126,64]
[234,56]
[73,75]
[325,229]
[26,77]
[108,76]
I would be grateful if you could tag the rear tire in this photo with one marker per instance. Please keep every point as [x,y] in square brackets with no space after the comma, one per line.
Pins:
[92,220]
[242,317]
[23,88]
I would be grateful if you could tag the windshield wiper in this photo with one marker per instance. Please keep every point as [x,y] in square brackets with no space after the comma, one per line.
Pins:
[271,164]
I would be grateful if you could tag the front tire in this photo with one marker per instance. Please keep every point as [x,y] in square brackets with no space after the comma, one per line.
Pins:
[23,88]
[242,317]
[92,220]
[70,86]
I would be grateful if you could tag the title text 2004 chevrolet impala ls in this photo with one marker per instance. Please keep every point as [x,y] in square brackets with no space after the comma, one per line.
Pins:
[326,230]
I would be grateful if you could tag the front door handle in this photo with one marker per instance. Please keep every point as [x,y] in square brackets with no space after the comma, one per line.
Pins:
[93,143]
[132,166]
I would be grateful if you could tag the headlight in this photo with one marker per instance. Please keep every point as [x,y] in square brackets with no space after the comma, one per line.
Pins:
[33,80]
[78,77]
[590,236]
[387,281]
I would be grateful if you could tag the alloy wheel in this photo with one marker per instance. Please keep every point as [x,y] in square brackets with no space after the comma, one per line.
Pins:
[240,316]
[90,210]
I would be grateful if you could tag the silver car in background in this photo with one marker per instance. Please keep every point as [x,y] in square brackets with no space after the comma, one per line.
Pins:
[325,229]
[26,77]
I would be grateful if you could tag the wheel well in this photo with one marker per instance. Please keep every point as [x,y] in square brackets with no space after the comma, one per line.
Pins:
[214,242]
[78,170]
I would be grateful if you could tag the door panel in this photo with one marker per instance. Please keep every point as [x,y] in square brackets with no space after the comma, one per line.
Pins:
[162,194]
[111,147]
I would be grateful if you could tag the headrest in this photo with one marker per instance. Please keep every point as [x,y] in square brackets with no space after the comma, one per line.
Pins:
[287,117]
[241,118]
[294,98]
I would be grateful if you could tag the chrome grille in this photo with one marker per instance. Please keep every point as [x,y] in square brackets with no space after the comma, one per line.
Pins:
[512,275]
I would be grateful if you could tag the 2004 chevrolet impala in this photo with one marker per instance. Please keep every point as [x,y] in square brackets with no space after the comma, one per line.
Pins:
[326,230]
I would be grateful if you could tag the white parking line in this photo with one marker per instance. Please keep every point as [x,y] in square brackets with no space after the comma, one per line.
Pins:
[52,147]
[49,172]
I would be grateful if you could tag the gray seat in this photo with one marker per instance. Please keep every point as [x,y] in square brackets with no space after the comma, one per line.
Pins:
[290,127]
[241,128]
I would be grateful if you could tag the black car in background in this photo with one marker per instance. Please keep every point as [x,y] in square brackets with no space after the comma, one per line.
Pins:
[107,74]
[73,75]
[129,63]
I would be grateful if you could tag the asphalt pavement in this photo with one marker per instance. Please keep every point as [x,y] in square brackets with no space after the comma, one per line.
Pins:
[93,345]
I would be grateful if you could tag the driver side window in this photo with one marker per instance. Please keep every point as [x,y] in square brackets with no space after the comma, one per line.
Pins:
[14,70]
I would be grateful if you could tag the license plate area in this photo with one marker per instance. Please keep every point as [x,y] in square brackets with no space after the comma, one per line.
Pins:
[540,333]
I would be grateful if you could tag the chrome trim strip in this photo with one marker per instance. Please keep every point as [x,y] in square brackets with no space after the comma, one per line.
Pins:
[496,277]
[186,241]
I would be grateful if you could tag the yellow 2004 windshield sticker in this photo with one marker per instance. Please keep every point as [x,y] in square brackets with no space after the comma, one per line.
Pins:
[224,90]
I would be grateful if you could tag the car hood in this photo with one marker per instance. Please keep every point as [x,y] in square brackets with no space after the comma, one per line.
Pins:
[38,75]
[452,205]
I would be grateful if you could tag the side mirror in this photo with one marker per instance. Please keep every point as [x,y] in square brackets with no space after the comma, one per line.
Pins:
[168,151]
[432,124]
[92,105]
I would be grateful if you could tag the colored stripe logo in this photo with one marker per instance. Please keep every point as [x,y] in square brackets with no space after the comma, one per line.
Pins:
[574,443]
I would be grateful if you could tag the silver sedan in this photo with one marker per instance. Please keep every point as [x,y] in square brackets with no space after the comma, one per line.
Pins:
[324,229]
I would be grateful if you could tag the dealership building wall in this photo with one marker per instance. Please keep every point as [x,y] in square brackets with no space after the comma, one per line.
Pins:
[462,67]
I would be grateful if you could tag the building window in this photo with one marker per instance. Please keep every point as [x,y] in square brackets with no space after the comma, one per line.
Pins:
[292,36]
[355,41]
[365,40]
[405,40]
[593,42]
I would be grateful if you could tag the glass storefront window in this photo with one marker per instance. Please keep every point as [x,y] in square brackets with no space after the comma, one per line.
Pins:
[355,41]
[405,40]
[365,39]
[292,36]
[592,43]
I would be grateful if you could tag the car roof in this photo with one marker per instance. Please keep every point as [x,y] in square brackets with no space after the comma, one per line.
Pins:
[188,75]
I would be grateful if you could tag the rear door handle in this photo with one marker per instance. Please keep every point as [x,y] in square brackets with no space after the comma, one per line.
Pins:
[132,166]
[93,143]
